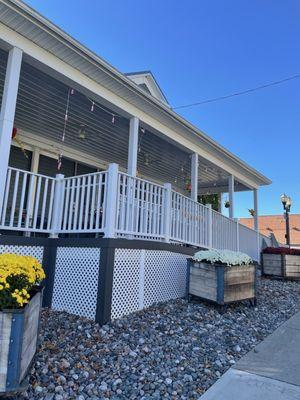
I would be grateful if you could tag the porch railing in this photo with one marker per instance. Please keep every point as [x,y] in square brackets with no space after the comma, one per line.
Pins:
[28,202]
[115,204]
[83,205]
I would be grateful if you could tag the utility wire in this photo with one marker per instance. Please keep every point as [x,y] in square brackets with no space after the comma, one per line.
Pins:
[297,76]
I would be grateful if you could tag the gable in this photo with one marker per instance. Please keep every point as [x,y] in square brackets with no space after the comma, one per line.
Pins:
[146,81]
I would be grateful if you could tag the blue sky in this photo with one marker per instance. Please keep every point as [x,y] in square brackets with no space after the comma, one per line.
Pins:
[203,49]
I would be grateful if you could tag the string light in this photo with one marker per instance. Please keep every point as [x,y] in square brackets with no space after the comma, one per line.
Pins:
[97,105]
[59,161]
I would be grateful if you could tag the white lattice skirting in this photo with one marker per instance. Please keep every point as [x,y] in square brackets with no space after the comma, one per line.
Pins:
[144,277]
[76,280]
[34,251]
[140,278]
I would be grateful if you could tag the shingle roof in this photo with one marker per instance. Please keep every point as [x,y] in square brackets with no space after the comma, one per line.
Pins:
[276,224]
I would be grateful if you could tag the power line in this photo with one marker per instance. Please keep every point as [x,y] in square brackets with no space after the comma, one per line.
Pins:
[297,76]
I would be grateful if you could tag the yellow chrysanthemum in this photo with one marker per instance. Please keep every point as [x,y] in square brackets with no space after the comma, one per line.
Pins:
[18,275]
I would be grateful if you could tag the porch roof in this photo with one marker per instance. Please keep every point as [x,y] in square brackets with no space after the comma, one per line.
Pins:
[27,22]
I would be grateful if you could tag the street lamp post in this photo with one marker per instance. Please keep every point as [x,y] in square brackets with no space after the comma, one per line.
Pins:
[287,202]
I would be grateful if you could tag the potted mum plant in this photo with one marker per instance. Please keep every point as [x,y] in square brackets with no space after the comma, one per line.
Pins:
[281,262]
[20,305]
[222,276]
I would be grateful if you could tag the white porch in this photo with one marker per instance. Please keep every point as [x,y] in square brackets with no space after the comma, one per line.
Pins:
[146,166]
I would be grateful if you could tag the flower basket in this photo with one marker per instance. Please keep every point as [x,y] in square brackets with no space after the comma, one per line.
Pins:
[19,330]
[221,283]
[281,262]
[20,307]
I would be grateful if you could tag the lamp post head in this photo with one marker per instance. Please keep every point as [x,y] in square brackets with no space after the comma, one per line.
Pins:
[286,202]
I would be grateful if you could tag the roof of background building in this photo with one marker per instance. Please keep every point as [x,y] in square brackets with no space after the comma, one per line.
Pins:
[276,224]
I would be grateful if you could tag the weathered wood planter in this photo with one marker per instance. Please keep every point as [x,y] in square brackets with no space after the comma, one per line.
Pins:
[18,343]
[222,284]
[281,265]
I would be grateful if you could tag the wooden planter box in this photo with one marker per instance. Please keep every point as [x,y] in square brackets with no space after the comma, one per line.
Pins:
[222,284]
[18,342]
[281,265]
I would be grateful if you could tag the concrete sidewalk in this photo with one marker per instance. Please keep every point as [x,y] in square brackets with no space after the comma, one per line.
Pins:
[270,372]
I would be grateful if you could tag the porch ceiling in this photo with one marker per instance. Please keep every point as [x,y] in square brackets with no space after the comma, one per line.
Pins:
[41,107]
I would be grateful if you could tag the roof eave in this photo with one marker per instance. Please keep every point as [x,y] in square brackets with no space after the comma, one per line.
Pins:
[70,42]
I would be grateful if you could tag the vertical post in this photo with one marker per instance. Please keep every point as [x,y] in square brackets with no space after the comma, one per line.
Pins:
[111,203]
[7,115]
[256,221]
[35,169]
[133,146]
[220,203]
[231,195]
[237,235]
[210,226]
[255,201]
[167,211]
[287,224]
[57,206]
[194,176]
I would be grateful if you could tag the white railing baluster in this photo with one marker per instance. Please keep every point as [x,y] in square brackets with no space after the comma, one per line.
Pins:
[71,204]
[29,201]
[92,214]
[13,207]
[36,202]
[87,204]
[42,221]
[21,208]
[98,203]
[76,205]
[66,204]
[4,207]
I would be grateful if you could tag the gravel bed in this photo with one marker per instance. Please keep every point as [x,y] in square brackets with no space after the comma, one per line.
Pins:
[174,350]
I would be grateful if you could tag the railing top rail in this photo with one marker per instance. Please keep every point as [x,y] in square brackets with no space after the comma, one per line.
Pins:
[223,216]
[83,175]
[246,227]
[188,198]
[141,179]
[31,173]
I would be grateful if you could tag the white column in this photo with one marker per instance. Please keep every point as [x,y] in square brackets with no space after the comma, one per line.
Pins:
[231,195]
[220,202]
[7,115]
[194,177]
[255,201]
[33,168]
[133,146]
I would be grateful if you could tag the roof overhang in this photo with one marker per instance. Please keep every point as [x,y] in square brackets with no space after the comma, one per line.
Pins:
[60,47]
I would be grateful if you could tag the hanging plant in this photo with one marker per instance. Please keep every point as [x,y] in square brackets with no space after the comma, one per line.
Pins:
[188,185]
[227,204]
[251,211]
[14,136]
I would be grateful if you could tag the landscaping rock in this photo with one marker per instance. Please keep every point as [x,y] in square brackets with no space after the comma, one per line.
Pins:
[173,350]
